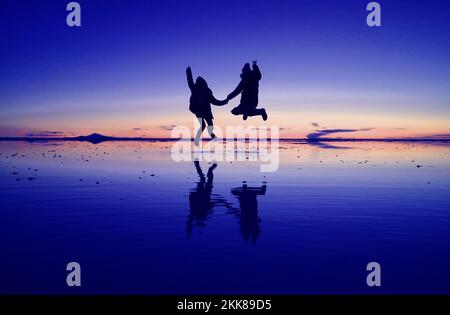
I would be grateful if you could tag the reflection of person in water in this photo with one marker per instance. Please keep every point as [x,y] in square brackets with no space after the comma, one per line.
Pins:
[248,212]
[201,199]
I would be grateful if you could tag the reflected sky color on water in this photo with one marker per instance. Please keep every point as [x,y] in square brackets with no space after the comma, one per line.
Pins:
[139,223]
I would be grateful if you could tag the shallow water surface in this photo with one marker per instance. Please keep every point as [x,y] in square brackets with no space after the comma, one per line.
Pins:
[140,223]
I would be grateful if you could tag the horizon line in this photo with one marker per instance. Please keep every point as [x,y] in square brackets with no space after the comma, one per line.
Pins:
[95,137]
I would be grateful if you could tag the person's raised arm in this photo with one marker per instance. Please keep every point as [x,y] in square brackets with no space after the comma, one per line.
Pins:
[256,71]
[189,78]
[236,91]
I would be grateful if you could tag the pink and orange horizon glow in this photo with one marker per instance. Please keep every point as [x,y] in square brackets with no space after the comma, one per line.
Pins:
[325,73]
[292,125]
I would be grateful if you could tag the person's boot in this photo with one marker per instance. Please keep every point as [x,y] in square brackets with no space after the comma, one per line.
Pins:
[244,116]
[210,131]
[264,114]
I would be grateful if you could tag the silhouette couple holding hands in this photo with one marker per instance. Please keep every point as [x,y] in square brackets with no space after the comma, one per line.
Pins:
[202,98]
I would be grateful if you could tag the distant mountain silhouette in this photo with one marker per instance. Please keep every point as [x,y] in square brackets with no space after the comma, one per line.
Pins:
[94,138]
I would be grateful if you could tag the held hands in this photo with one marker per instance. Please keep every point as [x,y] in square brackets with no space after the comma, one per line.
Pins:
[224,102]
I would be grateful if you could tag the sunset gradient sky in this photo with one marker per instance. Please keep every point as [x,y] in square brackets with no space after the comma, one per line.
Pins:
[123,72]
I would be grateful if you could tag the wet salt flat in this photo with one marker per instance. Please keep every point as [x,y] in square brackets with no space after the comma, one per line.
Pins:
[140,223]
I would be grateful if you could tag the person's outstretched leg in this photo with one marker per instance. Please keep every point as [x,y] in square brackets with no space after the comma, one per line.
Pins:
[199,131]
[257,112]
[210,123]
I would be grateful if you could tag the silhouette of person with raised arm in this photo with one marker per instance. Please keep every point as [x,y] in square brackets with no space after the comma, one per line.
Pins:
[248,88]
[201,199]
[248,212]
[200,104]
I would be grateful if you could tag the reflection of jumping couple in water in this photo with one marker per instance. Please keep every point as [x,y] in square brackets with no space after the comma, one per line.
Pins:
[202,202]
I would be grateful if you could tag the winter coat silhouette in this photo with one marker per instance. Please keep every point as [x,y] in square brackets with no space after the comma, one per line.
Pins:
[201,97]
[200,104]
[248,87]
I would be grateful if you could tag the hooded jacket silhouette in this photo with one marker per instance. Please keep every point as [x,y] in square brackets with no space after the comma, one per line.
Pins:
[249,89]
[248,86]
[201,97]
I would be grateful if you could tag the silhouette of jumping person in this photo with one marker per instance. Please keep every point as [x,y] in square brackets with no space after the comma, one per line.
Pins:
[249,87]
[248,212]
[200,104]
[201,199]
